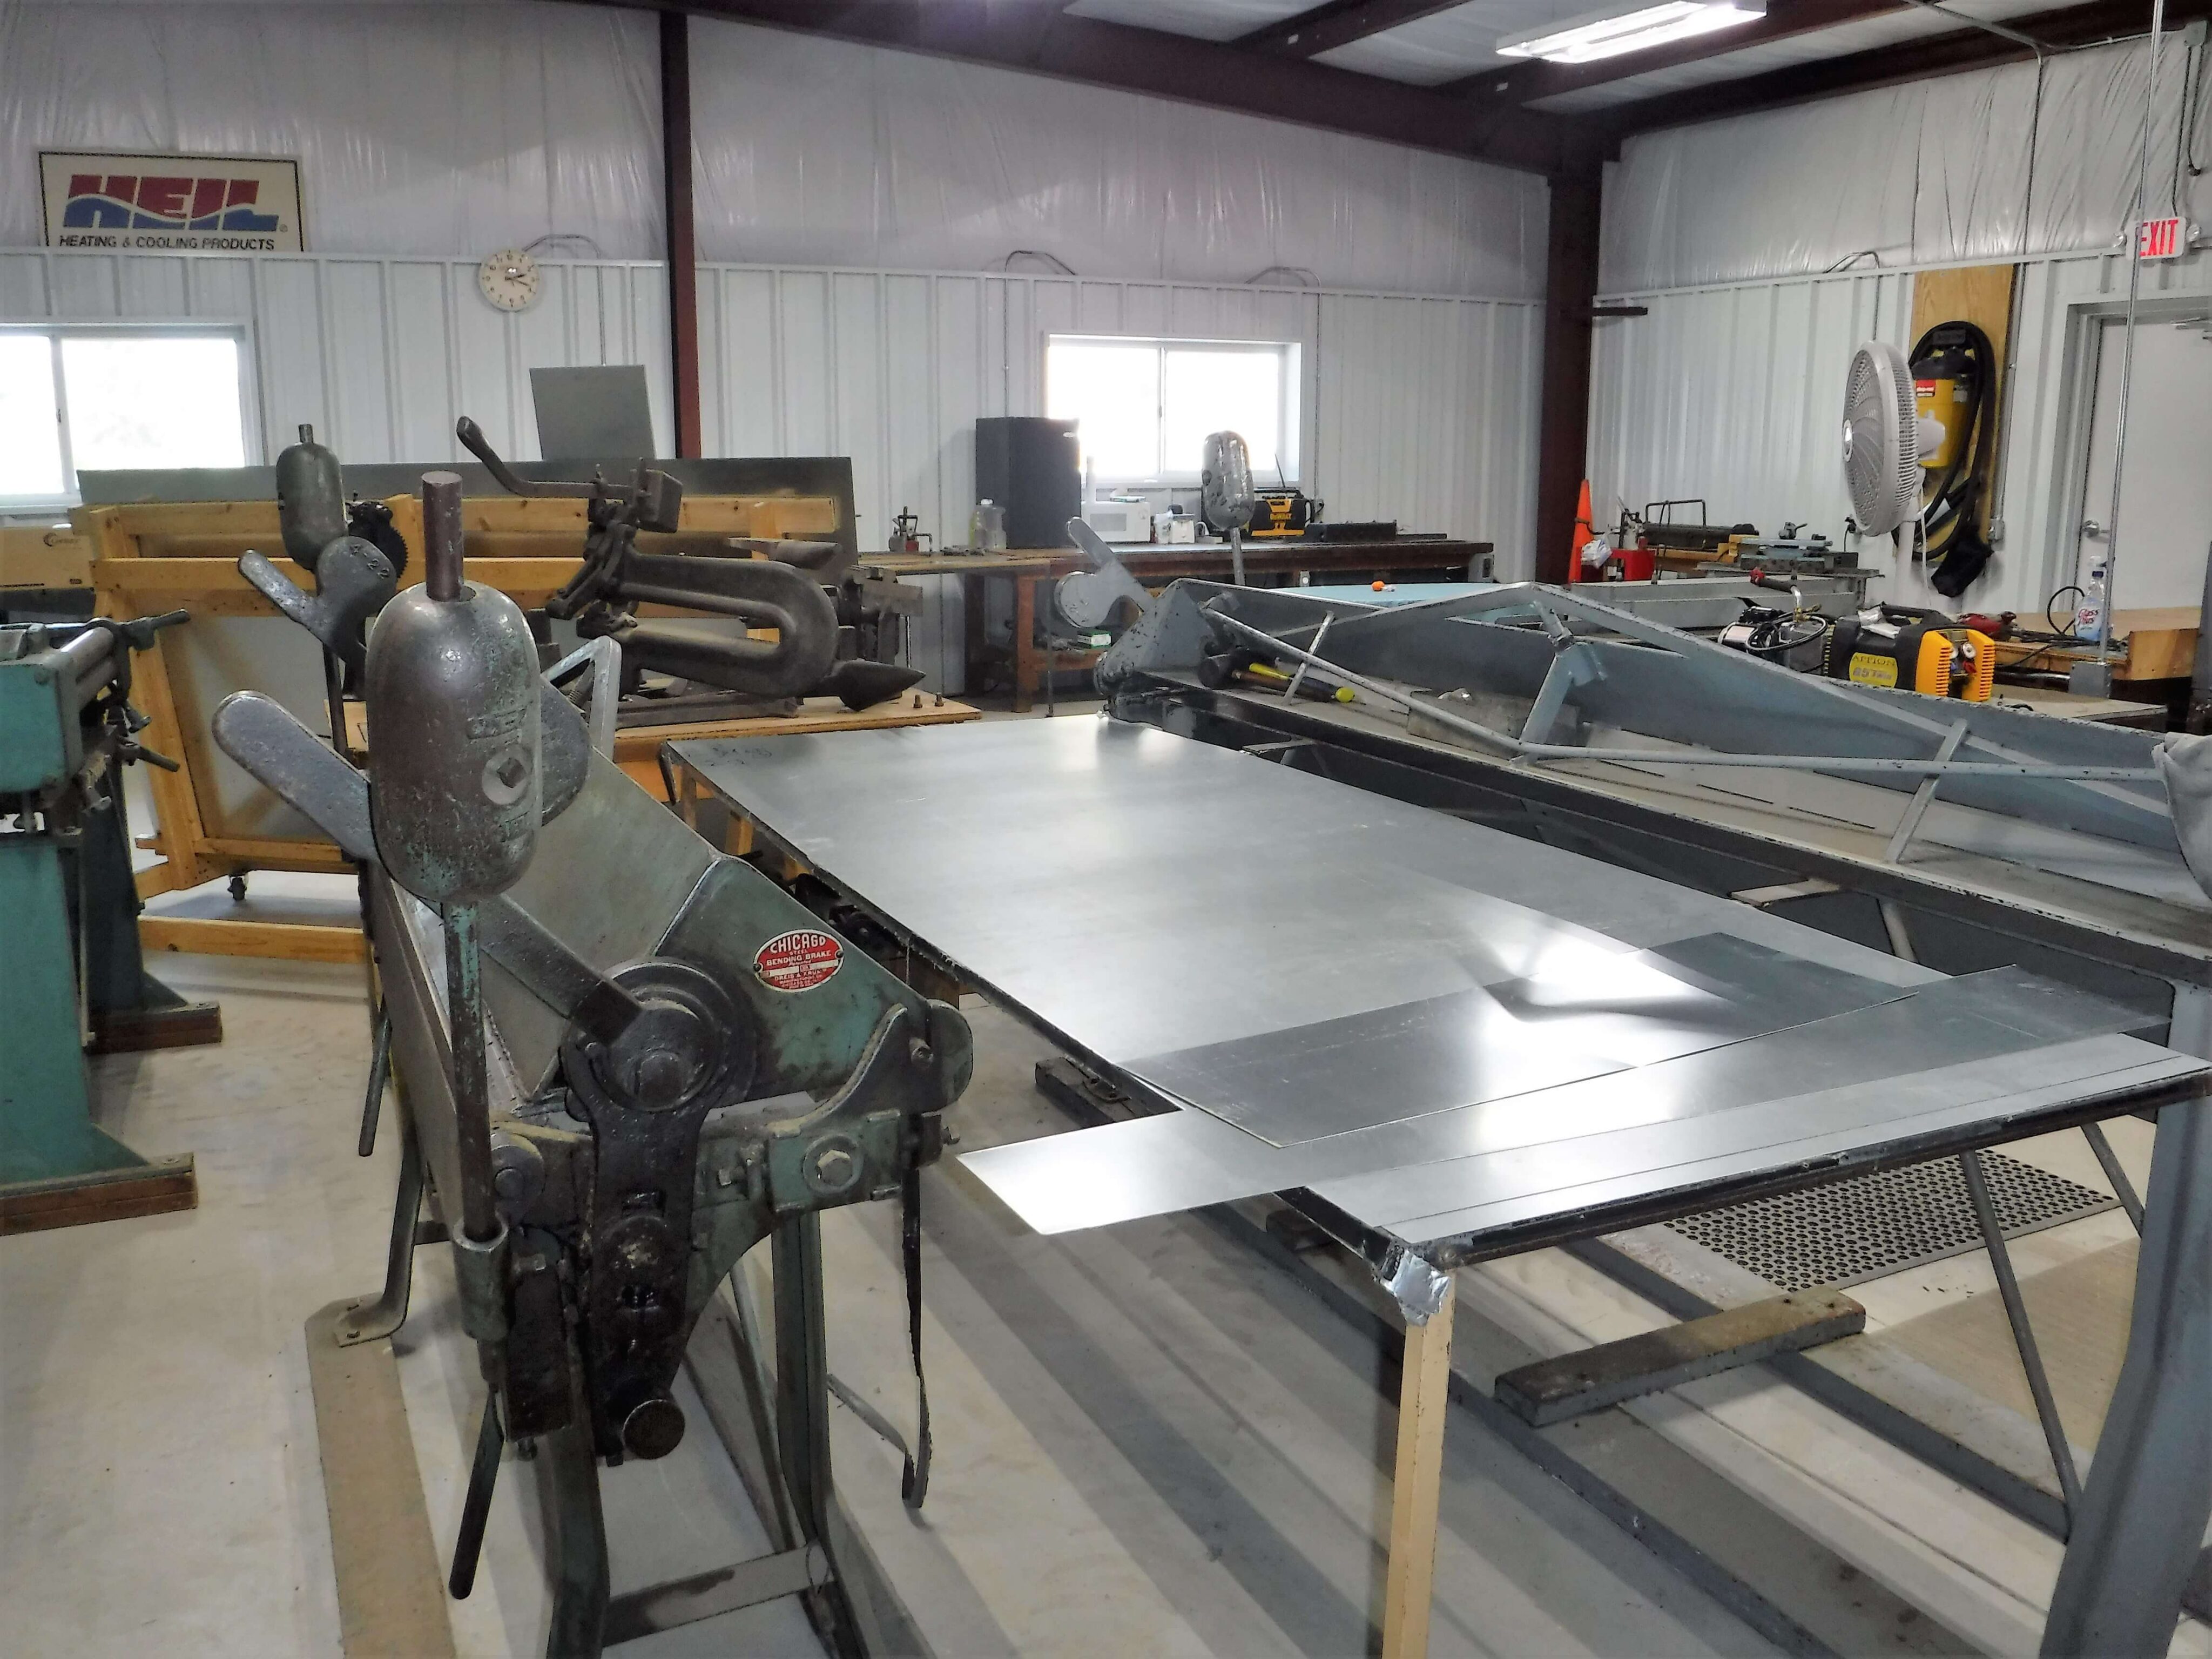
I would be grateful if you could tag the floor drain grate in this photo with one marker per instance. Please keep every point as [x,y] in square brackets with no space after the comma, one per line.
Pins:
[1852,1231]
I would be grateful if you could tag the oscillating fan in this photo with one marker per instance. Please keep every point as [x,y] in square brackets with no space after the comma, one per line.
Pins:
[1881,440]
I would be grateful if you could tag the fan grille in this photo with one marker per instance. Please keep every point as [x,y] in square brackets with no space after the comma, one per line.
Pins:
[1881,459]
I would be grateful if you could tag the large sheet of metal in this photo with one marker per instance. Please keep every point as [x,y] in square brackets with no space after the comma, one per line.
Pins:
[1457,1038]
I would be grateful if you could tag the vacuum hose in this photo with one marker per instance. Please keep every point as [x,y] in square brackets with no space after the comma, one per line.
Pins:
[1952,544]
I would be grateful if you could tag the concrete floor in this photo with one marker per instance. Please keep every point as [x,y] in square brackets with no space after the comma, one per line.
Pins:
[1148,1440]
[1151,1439]
[1137,1452]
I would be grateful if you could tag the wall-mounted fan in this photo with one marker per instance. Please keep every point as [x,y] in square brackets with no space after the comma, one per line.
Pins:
[1881,440]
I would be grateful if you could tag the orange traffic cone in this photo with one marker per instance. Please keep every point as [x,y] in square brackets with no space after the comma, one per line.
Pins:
[1584,532]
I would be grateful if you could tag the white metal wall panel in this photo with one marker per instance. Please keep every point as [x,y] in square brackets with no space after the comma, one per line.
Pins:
[1733,394]
[2018,161]
[381,355]
[1417,410]
[1736,393]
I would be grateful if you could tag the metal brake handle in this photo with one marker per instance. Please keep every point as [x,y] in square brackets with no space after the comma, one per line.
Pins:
[473,440]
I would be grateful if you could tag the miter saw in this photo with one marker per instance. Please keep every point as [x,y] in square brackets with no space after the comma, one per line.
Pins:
[624,1061]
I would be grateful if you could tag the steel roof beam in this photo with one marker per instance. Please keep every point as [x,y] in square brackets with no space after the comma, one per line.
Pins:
[1912,60]
[1325,28]
[1036,36]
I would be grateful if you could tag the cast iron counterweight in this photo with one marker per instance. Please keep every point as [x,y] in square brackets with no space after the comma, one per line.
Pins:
[454,791]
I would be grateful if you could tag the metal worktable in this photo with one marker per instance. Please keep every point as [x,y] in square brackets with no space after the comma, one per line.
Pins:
[1441,1041]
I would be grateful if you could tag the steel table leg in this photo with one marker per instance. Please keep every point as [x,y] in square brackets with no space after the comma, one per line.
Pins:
[578,1539]
[802,1373]
[2142,1517]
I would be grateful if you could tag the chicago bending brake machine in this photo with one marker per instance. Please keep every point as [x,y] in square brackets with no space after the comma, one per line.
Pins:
[623,1060]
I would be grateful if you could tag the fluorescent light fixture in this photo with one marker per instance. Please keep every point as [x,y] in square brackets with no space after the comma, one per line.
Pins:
[1609,34]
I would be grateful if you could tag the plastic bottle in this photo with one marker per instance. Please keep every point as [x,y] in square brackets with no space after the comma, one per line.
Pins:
[986,527]
[2089,613]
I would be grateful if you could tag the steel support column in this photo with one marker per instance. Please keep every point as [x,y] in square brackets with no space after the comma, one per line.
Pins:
[682,249]
[2137,1530]
[1570,286]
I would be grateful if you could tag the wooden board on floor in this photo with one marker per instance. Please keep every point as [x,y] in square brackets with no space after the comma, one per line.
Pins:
[287,941]
[1571,1384]
[392,1596]
[156,1189]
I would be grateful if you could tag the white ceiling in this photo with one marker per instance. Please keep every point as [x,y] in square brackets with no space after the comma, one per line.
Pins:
[1202,20]
[1863,36]
[1447,45]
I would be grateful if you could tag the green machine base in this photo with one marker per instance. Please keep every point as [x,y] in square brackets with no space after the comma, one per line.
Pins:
[58,1168]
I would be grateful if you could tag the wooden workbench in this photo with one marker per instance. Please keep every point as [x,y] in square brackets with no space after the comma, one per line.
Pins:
[1268,561]
[2151,644]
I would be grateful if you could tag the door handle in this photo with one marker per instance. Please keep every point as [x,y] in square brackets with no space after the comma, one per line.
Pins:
[2091,528]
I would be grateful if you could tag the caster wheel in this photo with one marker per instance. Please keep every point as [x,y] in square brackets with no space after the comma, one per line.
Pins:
[237,889]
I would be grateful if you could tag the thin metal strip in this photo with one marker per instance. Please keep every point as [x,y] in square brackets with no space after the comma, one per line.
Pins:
[1693,1184]
[1184,1160]
[1602,1014]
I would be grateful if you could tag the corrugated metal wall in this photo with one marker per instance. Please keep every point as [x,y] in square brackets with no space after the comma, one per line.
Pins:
[381,355]
[1733,394]
[1417,409]
[1736,393]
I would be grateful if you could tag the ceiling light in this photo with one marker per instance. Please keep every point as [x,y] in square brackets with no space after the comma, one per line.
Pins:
[1609,34]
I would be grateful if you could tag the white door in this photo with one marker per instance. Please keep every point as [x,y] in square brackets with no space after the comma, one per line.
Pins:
[2166,497]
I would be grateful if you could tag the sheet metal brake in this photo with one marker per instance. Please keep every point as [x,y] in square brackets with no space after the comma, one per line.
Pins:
[624,1059]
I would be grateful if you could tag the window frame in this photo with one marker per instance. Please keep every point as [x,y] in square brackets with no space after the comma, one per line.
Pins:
[1290,388]
[55,331]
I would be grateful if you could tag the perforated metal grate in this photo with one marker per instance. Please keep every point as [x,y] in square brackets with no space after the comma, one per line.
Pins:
[1853,1231]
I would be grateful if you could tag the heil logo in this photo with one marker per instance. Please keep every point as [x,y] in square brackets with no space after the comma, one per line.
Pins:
[122,201]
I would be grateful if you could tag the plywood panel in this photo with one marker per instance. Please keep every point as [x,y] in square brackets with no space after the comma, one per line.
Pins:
[1981,294]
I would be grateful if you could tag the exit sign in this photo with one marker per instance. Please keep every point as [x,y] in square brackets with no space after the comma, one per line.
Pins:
[2161,238]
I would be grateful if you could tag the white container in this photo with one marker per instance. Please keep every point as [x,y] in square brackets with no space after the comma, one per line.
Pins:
[986,527]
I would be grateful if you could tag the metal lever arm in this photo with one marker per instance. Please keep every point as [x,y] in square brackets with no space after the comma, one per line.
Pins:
[352,581]
[262,736]
[473,440]
[1087,598]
